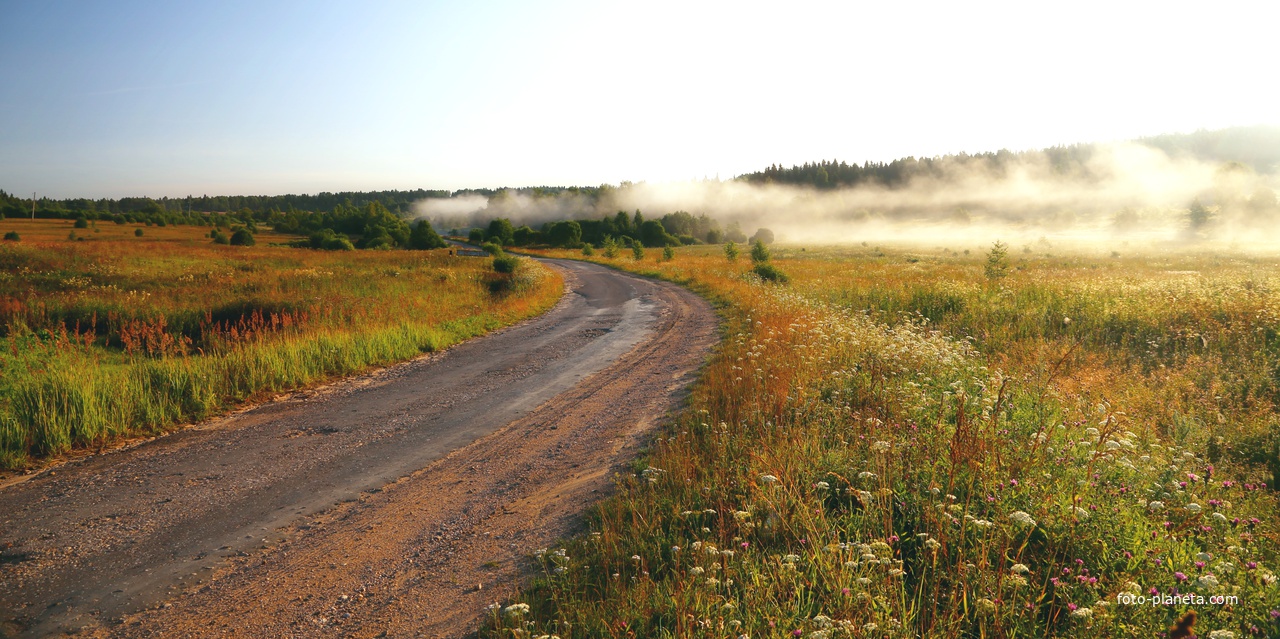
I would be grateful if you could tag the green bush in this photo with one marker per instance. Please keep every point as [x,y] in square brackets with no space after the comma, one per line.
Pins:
[12,236]
[997,265]
[588,251]
[759,252]
[242,237]
[137,233]
[82,223]
[770,273]
[424,237]
[220,238]
[505,263]
[338,243]
[731,251]
[492,249]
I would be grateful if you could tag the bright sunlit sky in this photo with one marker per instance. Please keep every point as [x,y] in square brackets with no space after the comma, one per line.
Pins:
[109,99]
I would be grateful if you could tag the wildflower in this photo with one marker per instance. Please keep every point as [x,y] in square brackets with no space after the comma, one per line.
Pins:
[1222,634]
[712,582]
[1155,505]
[1018,581]
[1020,569]
[696,570]
[986,607]
[1082,613]
[768,479]
[1081,513]
[822,485]
[932,544]
[516,609]
[866,474]
[1022,519]
[881,447]
[1208,582]
[1193,508]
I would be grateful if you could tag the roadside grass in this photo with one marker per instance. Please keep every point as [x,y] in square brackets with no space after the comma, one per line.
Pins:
[101,340]
[895,444]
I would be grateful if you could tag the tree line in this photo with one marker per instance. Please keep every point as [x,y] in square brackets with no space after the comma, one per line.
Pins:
[622,229]
[1256,147]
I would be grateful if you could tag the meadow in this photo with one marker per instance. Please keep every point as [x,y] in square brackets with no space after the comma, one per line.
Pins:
[937,442]
[117,331]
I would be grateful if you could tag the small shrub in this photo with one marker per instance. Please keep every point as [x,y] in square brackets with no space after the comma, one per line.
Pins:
[997,265]
[759,252]
[338,243]
[242,237]
[12,236]
[731,251]
[220,238]
[610,248]
[668,254]
[506,263]
[137,232]
[637,251]
[588,251]
[492,249]
[82,223]
[770,273]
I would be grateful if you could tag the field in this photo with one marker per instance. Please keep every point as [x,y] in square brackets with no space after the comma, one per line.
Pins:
[106,334]
[944,442]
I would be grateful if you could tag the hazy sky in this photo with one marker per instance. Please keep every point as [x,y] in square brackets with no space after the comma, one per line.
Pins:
[175,98]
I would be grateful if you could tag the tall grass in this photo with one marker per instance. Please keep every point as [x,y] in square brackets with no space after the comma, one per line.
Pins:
[897,445]
[103,340]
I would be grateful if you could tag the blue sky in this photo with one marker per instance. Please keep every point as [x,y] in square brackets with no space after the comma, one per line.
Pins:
[174,98]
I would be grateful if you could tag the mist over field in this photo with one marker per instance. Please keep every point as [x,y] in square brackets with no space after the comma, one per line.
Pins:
[1129,190]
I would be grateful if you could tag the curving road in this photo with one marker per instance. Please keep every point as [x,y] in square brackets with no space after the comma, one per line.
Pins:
[395,504]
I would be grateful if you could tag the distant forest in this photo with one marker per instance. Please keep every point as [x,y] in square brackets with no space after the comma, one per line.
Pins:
[377,219]
[1257,147]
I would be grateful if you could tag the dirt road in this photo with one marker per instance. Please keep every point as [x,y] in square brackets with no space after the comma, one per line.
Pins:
[393,505]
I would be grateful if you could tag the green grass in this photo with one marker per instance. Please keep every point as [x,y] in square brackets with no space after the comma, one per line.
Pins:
[104,340]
